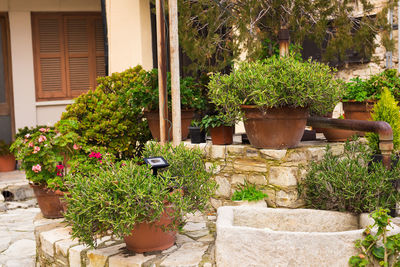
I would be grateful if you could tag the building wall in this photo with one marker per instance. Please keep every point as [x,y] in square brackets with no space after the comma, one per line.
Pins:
[129,33]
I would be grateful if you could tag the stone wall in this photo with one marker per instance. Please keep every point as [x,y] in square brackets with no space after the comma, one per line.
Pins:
[275,172]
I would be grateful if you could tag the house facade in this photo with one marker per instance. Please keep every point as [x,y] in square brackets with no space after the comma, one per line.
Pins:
[53,50]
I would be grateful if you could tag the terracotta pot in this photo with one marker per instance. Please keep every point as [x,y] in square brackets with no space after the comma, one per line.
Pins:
[50,203]
[355,110]
[153,119]
[337,135]
[222,135]
[146,237]
[275,128]
[7,163]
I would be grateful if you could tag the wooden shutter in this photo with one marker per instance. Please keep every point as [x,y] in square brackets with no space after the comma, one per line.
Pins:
[49,56]
[99,43]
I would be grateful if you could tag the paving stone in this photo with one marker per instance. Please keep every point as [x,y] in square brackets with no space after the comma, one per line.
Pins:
[47,239]
[5,240]
[224,187]
[190,254]
[191,226]
[207,238]
[98,257]
[25,246]
[212,218]
[283,176]
[197,216]
[21,262]
[273,154]
[197,234]
[170,250]
[181,239]
[129,261]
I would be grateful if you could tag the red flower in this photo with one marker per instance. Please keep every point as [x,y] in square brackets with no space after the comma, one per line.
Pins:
[60,167]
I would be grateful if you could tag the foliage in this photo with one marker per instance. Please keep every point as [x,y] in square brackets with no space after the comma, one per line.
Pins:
[144,94]
[386,109]
[4,148]
[30,130]
[214,33]
[370,89]
[378,248]
[121,195]
[43,153]
[346,182]
[212,121]
[248,192]
[105,118]
[276,82]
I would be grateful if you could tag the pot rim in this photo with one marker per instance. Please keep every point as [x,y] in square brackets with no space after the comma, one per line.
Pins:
[258,107]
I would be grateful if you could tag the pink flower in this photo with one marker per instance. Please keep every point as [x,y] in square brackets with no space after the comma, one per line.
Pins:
[25,140]
[36,149]
[76,147]
[36,168]
[95,155]
[43,130]
[27,135]
[30,144]
[60,167]
[42,138]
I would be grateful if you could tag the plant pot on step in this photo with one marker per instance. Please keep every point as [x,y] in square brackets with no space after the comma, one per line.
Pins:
[276,128]
[146,237]
[337,135]
[221,135]
[50,202]
[7,163]
[356,110]
[153,118]
[197,135]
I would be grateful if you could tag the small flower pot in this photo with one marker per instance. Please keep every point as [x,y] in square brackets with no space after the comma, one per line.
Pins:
[7,163]
[197,136]
[337,135]
[222,135]
[50,202]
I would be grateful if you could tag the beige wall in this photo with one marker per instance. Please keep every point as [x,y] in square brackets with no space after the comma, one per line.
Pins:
[129,34]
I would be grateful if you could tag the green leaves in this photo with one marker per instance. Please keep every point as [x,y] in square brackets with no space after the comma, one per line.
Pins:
[248,192]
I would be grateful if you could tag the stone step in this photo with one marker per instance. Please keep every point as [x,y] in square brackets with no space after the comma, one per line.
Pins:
[14,186]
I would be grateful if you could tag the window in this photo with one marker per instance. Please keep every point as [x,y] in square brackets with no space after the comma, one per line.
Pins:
[68,53]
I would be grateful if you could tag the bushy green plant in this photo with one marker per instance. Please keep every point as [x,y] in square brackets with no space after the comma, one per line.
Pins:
[277,82]
[30,130]
[4,148]
[212,121]
[144,94]
[105,118]
[346,182]
[248,192]
[386,109]
[370,89]
[378,248]
[121,195]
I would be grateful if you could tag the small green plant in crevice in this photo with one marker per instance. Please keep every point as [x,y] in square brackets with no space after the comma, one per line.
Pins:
[378,248]
[248,192]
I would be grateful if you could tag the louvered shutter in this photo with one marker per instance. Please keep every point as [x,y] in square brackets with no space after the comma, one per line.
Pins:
[49,56]
[99,46]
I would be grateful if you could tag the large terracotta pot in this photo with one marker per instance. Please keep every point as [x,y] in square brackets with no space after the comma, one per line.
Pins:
[275,128]
[355,110]
[50,203]
[222,135]
[146,237]
[337,135]
[7,163]
[153,118]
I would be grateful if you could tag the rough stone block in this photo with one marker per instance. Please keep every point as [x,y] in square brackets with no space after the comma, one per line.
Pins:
[190,254]
[98,257]
[238,178]
[224,187]
[216,203]
[129,261]
[257,179]
[75,255]
[337,150]
[248,165]
[298,156]
[273,154]
[286,199]
[317,153]
[47,239]
[63,246]
[252,152]
[218,151]
[283,176]
[236,150]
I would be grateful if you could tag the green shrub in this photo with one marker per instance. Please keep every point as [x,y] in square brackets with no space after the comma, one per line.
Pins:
[346,182]
[248,192]
[4,148]
[104,117]
[386,109]
[277,82]
[370,89]
[119,196]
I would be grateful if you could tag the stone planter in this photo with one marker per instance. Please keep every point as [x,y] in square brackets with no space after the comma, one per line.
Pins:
[222,135]
[153,118]
[7,163]
[50,203]
[276,128]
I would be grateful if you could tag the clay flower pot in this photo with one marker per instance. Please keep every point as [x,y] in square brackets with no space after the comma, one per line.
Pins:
[50,202]
[146,237]
[337,135]
[7,163]
[355,110]
[222,135]
[275,128]
[153,118]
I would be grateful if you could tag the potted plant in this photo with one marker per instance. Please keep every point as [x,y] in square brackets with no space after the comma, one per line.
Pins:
[386,109]
[127,200]
[42,153]
[7,159]
[276,96]
[197,132]
[144,94]
[220,127]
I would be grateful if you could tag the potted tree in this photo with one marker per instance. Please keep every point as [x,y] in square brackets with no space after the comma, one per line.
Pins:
[129,201]
[220,127]
[276,96]
[144,94]
[7,159]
